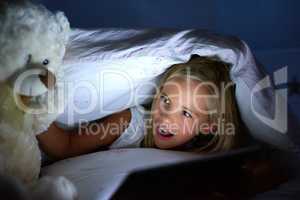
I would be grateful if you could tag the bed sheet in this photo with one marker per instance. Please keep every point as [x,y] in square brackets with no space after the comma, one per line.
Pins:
[98,175]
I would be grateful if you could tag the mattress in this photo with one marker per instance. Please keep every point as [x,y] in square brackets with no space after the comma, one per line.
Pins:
[99,175]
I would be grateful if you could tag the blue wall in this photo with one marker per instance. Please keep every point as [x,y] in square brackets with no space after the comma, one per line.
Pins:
[263,24]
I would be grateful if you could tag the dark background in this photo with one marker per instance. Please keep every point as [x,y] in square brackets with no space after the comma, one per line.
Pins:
[270,27]
[264,24]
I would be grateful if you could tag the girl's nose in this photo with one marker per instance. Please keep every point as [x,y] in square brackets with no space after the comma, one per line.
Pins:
[168,118]
[166,114]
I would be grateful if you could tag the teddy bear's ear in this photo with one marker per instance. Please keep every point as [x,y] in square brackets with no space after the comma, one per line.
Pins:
[64,25]
[63,21]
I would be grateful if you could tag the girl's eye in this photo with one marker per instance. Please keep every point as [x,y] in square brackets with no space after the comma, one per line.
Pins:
[187,114]
[165,99]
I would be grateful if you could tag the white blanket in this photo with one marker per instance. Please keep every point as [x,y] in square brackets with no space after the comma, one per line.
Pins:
[108,70]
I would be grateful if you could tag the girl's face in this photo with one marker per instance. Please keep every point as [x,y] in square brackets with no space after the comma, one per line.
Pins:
[178,112]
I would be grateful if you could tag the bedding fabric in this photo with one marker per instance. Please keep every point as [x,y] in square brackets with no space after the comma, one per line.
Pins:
[108,70]
[97,176]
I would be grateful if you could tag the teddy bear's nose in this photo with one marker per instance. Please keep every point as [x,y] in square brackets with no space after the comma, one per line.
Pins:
[48,79]
[34,81]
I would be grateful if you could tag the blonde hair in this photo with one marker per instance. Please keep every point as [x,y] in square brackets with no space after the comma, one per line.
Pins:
[209,69]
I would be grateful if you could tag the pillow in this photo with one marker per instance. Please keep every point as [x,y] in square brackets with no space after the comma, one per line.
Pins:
[110,69]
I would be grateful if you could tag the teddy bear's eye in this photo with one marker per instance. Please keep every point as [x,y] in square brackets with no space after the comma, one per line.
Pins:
[46,62]
[29,58]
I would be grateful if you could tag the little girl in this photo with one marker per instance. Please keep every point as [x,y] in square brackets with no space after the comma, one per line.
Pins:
[193,109]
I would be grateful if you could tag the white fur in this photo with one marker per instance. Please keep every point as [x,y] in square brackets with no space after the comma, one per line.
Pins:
[28,29]
[29,34]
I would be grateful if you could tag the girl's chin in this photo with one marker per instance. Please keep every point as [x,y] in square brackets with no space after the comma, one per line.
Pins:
[163,144]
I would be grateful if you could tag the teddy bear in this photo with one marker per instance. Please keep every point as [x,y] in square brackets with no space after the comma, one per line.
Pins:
[32,45]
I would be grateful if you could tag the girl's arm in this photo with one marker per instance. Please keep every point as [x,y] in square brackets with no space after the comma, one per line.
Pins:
[59,143]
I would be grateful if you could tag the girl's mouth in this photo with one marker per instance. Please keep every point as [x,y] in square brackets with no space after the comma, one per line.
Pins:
[163,133]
